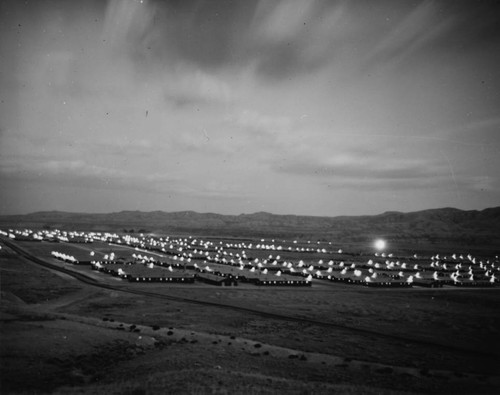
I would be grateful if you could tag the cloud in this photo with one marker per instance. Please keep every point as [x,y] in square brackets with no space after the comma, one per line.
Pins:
[213,189]
[350,167]
[366,167]
[57,169]
[257,122]
[276,39]
[204,35]
[78,172]
[82,173]
[484,183]
[283,20]
[419,28]
[291,38]
[483,132]
[217,99]
[127,25]
[188,87]
[483,123]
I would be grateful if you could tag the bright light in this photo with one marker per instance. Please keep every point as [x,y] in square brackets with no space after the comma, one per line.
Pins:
[380,244]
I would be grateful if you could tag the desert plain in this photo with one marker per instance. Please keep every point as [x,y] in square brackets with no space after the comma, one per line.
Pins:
[109,335]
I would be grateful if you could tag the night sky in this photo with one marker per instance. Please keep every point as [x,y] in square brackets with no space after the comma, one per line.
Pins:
[291,107]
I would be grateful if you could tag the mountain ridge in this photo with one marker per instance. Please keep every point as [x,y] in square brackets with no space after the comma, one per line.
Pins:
[257,213]
[441,225]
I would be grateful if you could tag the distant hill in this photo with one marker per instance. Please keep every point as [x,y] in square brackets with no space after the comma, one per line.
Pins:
[445,226]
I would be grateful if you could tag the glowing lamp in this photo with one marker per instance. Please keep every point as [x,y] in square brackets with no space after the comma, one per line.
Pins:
[380,244]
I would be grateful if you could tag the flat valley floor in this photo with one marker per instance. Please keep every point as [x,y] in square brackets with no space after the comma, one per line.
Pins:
[59,335]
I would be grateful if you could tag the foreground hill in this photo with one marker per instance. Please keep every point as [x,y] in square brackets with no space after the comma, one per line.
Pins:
[445,226]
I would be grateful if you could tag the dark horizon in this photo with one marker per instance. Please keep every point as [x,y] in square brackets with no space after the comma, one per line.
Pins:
[249,214]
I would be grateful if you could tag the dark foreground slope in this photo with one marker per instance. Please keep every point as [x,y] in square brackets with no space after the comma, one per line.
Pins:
[444,227]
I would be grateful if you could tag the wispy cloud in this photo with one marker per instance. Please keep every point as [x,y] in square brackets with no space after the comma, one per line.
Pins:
[347,166]
[260,123]
[188,86]
[85,174]
[420,27]
[295,37]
